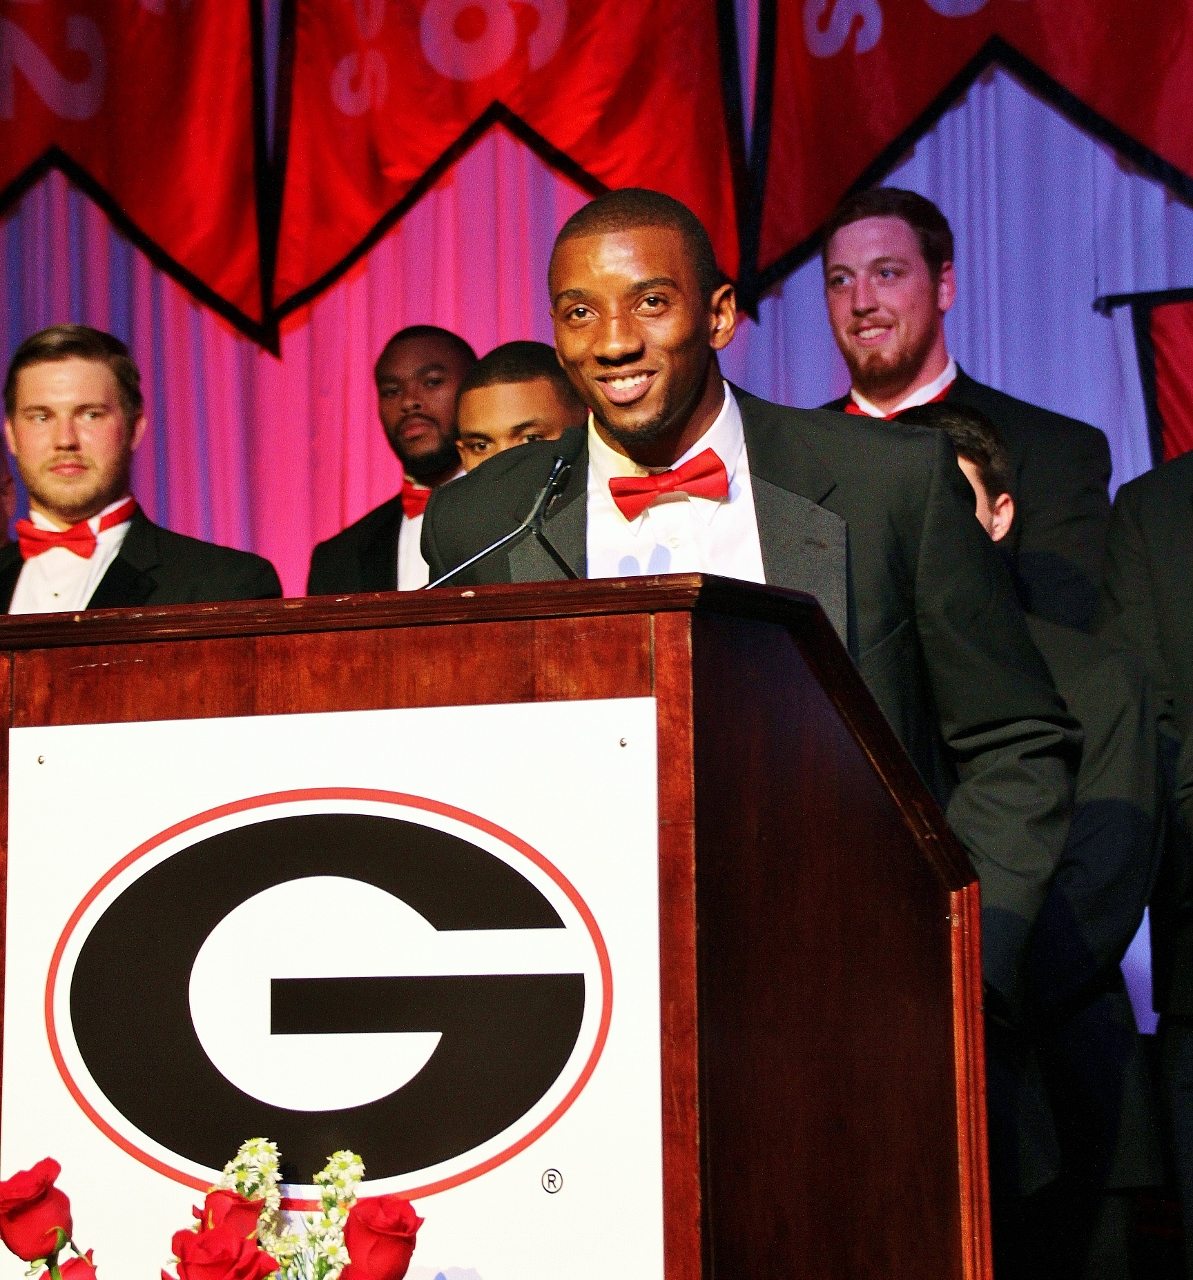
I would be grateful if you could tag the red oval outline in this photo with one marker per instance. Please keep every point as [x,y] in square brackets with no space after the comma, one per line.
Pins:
[338,793]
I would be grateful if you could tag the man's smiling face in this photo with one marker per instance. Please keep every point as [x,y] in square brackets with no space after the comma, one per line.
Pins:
[637,338]
[886,308]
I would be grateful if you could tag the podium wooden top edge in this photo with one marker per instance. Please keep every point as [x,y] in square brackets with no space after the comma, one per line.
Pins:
[666,593]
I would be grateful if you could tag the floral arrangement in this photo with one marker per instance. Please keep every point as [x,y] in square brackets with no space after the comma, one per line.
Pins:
[240,1232]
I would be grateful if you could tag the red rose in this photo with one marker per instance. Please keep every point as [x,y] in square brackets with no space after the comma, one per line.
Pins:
[33,1211]
[219,1254]
[379,1236]
[75,1268]
[228,1209]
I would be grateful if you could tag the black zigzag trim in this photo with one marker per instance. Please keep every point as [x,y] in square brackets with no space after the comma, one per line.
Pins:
[750,289]
[1142,306]
[995,52]
[496,113]
[261,332]
[734,109]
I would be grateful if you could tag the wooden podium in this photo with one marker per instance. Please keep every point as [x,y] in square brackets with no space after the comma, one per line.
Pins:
[822,1077]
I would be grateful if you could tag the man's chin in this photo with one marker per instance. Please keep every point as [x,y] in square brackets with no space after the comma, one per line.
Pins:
[630,433]
[425,467]
[70,508]
[880,379]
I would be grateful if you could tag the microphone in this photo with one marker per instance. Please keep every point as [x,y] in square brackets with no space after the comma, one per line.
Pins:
[561,465]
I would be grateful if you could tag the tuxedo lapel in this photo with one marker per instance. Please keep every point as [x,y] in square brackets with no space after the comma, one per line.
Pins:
[379,559]
[10,571]
[805,546]
[129,580]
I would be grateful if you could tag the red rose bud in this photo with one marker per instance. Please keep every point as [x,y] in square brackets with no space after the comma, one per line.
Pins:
[219,1254]
[33,1211]
[379,1236]
[75,1268]
[228,1209]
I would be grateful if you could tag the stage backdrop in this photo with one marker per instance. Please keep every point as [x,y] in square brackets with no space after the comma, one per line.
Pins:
[275,451]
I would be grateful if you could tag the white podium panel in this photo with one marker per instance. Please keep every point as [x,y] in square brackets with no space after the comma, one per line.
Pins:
[428,935]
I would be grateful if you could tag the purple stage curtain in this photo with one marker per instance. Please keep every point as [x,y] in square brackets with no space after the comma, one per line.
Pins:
[273,453]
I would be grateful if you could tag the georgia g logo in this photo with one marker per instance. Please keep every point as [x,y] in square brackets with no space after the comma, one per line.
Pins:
[331,968]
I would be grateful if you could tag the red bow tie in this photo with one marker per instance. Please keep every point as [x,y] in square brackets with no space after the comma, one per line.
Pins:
[414,498]
[852,406]
[703,476]
[33,539]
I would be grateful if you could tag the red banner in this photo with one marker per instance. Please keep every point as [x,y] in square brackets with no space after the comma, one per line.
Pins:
[148,105]
[616,94]
[853,79]
[1171,331]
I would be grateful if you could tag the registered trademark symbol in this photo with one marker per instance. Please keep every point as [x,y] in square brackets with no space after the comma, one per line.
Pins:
[552,1181]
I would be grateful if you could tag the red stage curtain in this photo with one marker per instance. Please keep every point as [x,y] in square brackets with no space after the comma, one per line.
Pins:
[148,105]
[613,94]
[856,80]
[1172,342]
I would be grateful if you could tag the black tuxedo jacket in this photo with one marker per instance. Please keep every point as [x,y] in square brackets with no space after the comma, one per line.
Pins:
[1093,1066]
[876,521]
[362,557]
[1062,506]
[156,566]
[1148,605]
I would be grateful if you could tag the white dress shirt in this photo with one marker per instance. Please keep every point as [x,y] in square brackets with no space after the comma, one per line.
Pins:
[677,533]
[58,581]
[924,395]
[413,570]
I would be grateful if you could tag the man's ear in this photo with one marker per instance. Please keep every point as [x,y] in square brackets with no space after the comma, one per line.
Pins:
[946,287]
[138,432]
[722,317]
[9,438]
[1002,516]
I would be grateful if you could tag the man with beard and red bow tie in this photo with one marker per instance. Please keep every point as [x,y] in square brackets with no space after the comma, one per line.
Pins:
[418,376]
[888,281]
[73,416]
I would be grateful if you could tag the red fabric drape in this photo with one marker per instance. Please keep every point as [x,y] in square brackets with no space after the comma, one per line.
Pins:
[854,76]
[624,94]
[149,104]
[1172,341]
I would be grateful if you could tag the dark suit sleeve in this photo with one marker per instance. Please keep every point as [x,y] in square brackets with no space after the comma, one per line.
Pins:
[321,577]
[259,581]
[1128,611]
[1096,900]
[1136,587]
[1014,746]
[1063,513]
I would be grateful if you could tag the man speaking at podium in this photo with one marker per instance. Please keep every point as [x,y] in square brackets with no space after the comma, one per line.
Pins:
[73,414]
[678,472]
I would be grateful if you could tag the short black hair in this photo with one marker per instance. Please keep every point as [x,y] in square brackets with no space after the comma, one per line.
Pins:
[64,341]
[453,340]
[520,361]
[974,437]
[931,227]
[632,207]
